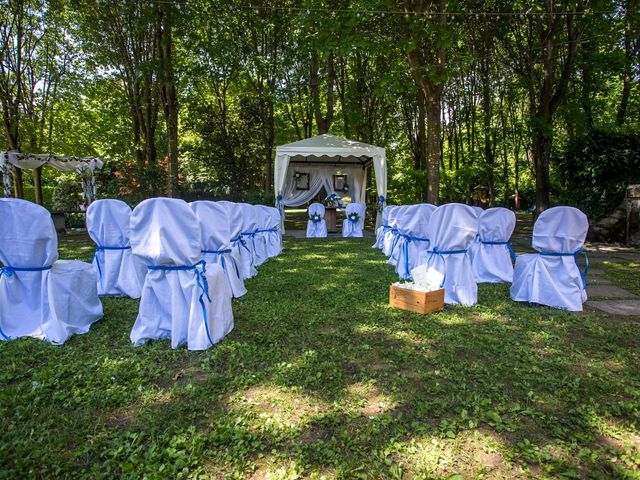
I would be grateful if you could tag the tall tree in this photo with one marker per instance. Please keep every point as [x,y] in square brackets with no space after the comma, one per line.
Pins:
[167,90]
[428,40]
[121,36]
[544,50]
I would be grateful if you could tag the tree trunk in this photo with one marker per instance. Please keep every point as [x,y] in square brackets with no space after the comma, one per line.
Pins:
[628,64]
[433,144]
[486,122]
[168,95]
[37,184]
[516,177]
[421,144]
[323,123]
[268,148]
[18,189]
[542,139]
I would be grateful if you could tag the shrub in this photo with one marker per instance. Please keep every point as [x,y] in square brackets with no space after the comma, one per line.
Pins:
[67,194]
[596,170]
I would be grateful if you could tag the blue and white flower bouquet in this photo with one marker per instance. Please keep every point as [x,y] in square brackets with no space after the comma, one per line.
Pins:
[315,217]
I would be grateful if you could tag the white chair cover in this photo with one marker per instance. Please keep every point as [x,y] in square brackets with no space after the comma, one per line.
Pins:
[478,211]
[40,296]
[452,229]
[384,228]
[274,235]
[249,227]
[263,215]
[240,244]
[351,228]
[316,229]
[391,234]
[413,237]
[118,271]
[492,256]
[215,242]
[553,277]
[183,298]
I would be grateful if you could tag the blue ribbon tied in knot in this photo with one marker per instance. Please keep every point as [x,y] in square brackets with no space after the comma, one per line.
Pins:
[405,249]
[583,274]
[441,254]
[200,270]
[221,254]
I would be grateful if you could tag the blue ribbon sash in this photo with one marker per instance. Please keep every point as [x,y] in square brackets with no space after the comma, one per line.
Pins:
[221,254]
[441,254]
[8,271]
[240,243]
[508,244]
[200,270]
[583,274]
[96,256]
[405,249]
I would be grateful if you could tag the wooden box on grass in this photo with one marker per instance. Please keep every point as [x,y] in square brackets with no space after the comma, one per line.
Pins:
[415,301]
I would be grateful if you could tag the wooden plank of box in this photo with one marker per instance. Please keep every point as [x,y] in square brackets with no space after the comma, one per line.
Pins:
[415,301]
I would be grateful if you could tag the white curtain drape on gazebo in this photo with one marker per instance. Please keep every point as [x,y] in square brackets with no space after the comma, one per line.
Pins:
[84,166]
[320,177]
[322,157]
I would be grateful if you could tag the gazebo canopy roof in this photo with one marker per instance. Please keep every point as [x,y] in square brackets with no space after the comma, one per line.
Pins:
[329,149]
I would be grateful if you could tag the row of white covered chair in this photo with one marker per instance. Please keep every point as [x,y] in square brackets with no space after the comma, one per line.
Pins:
[184,261]
[238,236]
[352,226]
[469,245]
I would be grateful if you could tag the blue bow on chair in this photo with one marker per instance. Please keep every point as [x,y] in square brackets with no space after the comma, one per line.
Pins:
[441,254]
[200,270]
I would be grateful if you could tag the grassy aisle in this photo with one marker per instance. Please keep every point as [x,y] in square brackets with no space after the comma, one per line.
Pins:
[321,378]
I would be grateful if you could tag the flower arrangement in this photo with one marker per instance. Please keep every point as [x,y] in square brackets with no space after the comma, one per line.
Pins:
[353,217]
[315,217]
[332,200]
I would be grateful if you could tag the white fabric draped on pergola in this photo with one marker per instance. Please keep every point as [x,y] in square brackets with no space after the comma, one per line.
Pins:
[322,157]
[84,166]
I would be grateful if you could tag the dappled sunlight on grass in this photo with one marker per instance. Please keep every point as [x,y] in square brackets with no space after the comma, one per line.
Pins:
[322,377]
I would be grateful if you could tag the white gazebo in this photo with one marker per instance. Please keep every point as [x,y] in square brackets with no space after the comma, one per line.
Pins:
[304,167]
[85,167]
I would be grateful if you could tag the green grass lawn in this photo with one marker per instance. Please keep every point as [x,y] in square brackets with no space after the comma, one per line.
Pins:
[321,378]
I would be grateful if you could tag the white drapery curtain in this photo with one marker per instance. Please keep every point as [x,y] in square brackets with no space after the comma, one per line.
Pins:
[84,166]
[320,177]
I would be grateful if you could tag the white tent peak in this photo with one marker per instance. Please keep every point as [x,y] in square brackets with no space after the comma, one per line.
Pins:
[324,145]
